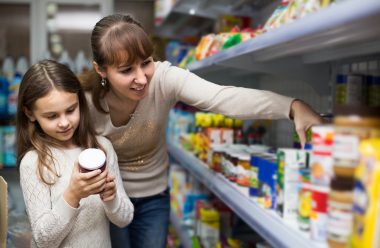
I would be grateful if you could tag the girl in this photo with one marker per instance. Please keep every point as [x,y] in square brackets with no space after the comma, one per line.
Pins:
[130,99]
[53,127]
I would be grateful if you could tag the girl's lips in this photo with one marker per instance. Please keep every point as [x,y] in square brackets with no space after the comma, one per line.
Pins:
[65,131]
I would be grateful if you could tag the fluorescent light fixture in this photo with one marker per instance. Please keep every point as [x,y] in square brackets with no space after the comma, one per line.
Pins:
[79,21]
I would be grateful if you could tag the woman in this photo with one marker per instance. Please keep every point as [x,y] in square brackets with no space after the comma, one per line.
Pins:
[130,98]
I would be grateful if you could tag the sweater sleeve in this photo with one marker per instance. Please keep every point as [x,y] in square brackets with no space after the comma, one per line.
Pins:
[120,210]
[50,224]
[236,102]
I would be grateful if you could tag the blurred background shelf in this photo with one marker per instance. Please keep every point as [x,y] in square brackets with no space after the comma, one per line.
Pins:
[180,230]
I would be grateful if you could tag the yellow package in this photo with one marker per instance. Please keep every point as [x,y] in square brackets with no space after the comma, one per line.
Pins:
[366,196]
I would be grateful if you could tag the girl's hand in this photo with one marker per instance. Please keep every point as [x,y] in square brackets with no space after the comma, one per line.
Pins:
[304,117]
[109,192]
[84,184]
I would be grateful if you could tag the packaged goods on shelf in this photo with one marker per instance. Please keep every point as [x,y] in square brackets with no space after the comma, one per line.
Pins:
[13,93]
[374,90]
[289,162]
[340,215]
[225,23]
[304,200]
[291,10]
[8,67]
[365,229]
[321,159]
[352,124]
[22,65]
[207,228]
[358,84]
[9,146]
[319,213]
[3,96]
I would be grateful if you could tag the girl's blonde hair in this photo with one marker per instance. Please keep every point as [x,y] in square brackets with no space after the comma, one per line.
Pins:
[115,40]
[38,81]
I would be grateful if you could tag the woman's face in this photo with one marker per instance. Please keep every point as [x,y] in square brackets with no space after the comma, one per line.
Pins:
[131,81]
[58,115]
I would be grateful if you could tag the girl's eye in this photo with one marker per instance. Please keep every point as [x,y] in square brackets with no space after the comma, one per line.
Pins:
[51,117]
[70,110]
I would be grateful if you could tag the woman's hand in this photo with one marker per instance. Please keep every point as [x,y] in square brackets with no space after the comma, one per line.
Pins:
[304,117]
[84,184]
[109,192]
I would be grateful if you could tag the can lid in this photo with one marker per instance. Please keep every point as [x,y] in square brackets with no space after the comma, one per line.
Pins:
[358,110]
[92,158]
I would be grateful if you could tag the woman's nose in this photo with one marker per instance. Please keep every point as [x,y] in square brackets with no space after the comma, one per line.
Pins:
[140,77]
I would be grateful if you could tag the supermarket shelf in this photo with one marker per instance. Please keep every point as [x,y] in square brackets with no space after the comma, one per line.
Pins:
[267,223]
[197,17]
[342,30]
[8,169]
[181,232]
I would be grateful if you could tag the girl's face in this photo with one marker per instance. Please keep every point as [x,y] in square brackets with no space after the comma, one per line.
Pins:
[58,115]
[131,81]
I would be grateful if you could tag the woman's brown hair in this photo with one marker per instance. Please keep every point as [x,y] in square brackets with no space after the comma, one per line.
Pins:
[115,40]
[38,81]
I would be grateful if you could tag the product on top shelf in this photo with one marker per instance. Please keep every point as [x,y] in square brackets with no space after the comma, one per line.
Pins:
[275,19]
[291,10]
[227,22]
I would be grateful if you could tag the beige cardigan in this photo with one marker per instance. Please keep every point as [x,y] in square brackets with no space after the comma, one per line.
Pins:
[140,144]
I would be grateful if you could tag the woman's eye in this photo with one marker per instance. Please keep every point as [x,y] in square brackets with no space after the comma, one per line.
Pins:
[125,71]
[146,62]
[50,117]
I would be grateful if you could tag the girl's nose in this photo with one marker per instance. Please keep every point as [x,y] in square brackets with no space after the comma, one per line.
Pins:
[63,122]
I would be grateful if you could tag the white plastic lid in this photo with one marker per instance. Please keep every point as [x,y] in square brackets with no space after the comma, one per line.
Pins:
[92,159]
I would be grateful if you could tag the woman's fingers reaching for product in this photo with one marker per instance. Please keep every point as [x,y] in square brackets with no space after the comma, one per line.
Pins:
[304,118]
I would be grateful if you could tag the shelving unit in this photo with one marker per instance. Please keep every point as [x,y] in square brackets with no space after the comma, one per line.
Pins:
[304,48]
[267,223]
[197,17]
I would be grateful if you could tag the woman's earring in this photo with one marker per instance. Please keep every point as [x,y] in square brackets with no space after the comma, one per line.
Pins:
[103,82]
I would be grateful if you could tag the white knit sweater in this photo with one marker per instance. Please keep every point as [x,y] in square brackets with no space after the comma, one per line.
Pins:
[54,222]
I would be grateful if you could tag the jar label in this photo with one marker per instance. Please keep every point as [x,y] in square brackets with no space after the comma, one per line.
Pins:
[346,147]
[339,221]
